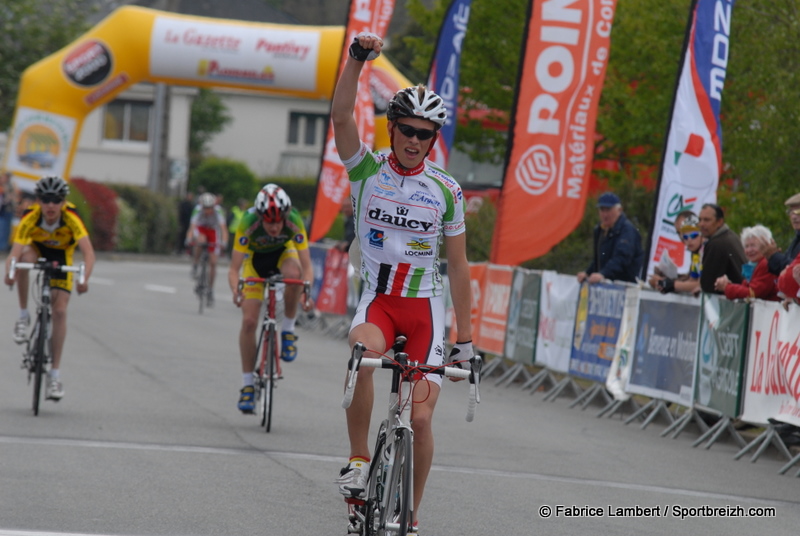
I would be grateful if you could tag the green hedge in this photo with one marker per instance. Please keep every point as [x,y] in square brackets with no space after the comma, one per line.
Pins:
[148,222]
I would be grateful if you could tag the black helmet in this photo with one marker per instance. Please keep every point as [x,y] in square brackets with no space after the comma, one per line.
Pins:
[51,185]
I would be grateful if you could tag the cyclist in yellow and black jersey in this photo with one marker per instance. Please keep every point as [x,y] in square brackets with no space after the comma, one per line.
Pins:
[50,229]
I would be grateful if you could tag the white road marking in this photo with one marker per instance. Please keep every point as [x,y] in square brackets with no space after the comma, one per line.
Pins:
[161,288]
[338,459]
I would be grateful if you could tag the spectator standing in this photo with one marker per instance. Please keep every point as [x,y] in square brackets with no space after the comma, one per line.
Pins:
[618,253]
[789,281]
[349,225]
[758,281]
[8,197]
[778,260]
[723,253]
[185,209]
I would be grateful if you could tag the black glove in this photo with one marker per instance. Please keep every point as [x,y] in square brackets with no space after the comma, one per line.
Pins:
[359,53]
[666,285]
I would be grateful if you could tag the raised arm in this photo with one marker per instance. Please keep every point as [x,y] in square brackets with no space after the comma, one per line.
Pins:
[345,129]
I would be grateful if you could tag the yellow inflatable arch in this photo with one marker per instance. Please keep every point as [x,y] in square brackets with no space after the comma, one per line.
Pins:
[136,44]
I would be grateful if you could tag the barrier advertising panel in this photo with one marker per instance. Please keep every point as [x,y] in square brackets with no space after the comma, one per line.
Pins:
[666,347]
[723,341]
[557,299]
[333,291]
[620,369]
[477,271]
[523,316]
[597,324]
[491,333]
[772,383]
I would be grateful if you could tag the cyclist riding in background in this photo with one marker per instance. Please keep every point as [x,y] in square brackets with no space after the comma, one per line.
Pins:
[404,207]
[271,239]
[207,226]
[50,229]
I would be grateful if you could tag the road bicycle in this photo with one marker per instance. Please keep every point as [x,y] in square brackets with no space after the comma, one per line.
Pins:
[202,286]
[268,366]
[387,508]
[38,354]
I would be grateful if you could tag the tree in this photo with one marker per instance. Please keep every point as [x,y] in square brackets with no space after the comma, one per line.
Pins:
[222,176]
[760,104]
[209,117]
[31,30]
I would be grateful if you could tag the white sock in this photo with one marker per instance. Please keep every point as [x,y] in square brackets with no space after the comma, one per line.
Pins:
[23,314]
[288,324]
[54,374]
[247,379]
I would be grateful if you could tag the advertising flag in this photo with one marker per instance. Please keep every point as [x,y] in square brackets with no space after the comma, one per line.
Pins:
[444,73]
[551,139]
[692,159]
[332,186]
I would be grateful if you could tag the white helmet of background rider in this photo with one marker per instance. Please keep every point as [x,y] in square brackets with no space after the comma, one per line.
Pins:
[207,200]
[417,102]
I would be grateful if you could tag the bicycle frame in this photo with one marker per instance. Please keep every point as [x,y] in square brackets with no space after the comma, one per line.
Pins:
[268,366]
[38,353]
[388,505]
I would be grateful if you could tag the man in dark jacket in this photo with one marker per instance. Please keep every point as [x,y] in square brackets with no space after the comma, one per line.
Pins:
[618,253]
[778,260]
[723,253]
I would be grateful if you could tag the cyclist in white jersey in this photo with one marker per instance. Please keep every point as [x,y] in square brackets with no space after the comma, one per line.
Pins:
[404,207]
[207,226]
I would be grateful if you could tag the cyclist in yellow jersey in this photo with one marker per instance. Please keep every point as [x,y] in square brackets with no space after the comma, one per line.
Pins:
[271,239]
[51,229]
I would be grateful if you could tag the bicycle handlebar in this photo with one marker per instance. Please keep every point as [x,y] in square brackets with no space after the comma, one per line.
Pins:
[473,374]
[44,265]
[278,278]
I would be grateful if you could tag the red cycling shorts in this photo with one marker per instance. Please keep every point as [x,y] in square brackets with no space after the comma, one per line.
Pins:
[421,320]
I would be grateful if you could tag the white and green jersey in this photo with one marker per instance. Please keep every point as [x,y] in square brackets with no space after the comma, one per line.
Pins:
[214,221]
[401,217]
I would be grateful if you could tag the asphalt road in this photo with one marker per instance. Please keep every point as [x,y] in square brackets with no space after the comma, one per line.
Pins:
[148,441]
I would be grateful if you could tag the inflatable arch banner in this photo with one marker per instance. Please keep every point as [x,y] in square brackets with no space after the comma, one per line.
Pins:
[136,44]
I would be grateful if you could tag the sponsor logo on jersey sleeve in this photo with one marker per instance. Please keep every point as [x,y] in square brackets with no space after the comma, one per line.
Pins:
[243,241]
[299,238]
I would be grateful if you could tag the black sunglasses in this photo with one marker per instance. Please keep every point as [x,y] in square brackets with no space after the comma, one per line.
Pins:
[50,199]
[422,134]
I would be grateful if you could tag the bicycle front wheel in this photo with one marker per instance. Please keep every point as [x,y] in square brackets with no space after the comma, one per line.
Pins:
[38,358]
[202,283]
[269,382]
[397,514]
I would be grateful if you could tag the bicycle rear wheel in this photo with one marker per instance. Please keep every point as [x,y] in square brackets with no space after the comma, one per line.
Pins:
[202,282]
[397,514]
[38,358]
[269,382]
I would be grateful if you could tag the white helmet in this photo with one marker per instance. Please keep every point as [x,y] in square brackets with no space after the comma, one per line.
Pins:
[273,203]
[418,102]
[207,200]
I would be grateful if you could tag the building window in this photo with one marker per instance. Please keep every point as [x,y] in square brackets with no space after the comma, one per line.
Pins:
[306,129]
[127,120]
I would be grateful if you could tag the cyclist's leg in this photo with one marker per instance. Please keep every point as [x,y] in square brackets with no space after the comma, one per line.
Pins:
[29,254]
[425,338]
[59,300]
[373,327]
[289,266]
[251,307]
[426,394]
[211,238]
